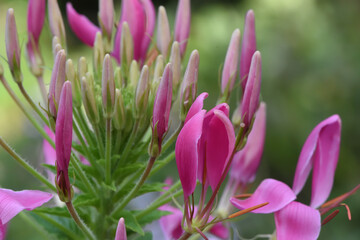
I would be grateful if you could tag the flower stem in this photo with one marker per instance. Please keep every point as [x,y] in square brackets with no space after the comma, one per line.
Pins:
[26,165]
[78,221]
[108,152]
[137,187]
[42,88]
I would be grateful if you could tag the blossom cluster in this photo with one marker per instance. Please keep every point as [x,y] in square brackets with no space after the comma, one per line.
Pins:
[106,130]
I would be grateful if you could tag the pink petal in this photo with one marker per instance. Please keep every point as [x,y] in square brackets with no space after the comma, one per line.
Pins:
[276,193]
[220,231]
[149,26]
[219,142]
[11,202]
[121,230]
[106,15]
[48,150]
[250,100]
[35,18]
[186,152]
[326,158]
[182,24]
[313,151]
[247,161]
[171,224]
[197,106]
[2,230]
[248,47]
[297,221]
[229,72]
[83,28]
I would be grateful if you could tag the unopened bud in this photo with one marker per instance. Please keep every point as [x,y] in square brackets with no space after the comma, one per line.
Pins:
[182,24]
[75,82]
[56,46]
[106,17]
[35,60]
[12,46]
[158,72]
[134,74]
[119,80]
[163,32]
[108,86]
[142,91]
[119,117]
[99,53]
[82,67]
[175,60]
[56,22]
[88,98]
[126,45]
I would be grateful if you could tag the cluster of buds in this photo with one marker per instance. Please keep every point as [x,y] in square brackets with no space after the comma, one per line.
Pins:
[107,125]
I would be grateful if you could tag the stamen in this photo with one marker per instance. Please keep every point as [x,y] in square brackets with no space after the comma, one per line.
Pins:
[244,195]
[347,210]
[247,210]
[340,198]
[201,233]
[331,216]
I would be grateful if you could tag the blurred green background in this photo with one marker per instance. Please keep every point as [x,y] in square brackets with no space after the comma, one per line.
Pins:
[311,69]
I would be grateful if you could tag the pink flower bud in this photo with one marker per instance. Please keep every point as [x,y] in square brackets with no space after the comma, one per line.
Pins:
[56,82]
[63,141]
[162,104]
[140,15]
[231,64]
[83,28]
[163,32]
[246,161]
[12,46]
[248,47]
[182,24]
[56,22]
[250,100]
[189,83]
[121,230]
[142,91]
[35,19]
[108,86]
[106,16]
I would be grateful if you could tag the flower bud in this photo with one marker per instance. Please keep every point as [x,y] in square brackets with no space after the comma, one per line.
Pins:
[229,73]
[35,19]
[163,32]
[119,80]
[134,74]
[121,230]
[248,47]
[12,46]
[142,91]
[127,45]
[119,117]
[75,82]
[175,60]
[56,22]
[56,83]
[83,28]
[189,84]
[158,71]
[35,60]
[56,46]
[99,53]
[250,100]
[108,87]
[106,17]
[63,142]
[82,67]
[88,98]
[161,110]
[182,24]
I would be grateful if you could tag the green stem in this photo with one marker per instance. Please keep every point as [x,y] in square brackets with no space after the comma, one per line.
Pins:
[116,149]
[99,140]
[34,224]
[32,104]
[108,152]
[155,205]
[172,138]
[42,88]
[27,166]
[38,127]
[129,143]
[84,127]
[75,162]
[137,187]
[61,227]
[79,222]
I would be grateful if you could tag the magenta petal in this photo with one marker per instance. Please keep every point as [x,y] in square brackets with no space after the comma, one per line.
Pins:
[171,224]
[150,17]
[11,202]
[246,161]
[48,150]
[121,230]
[83,28]
[186,152]
[276,193]
[326,158]
[197,106]
[220,231]
[248,47]
[297,221]
[35,18]
[182,24]
[2,230]
[220,142]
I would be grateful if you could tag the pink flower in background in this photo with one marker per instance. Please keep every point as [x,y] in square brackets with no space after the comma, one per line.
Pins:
[182,24]
[35,19]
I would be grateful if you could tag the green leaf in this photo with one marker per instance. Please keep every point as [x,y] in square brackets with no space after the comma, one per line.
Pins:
[147,236]
[152,216]
[52,168]
[124,171]
[85,200]
[57,211]
[110,187]
[130,222]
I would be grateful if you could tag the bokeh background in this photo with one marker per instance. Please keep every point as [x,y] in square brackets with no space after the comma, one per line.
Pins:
[311,70]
